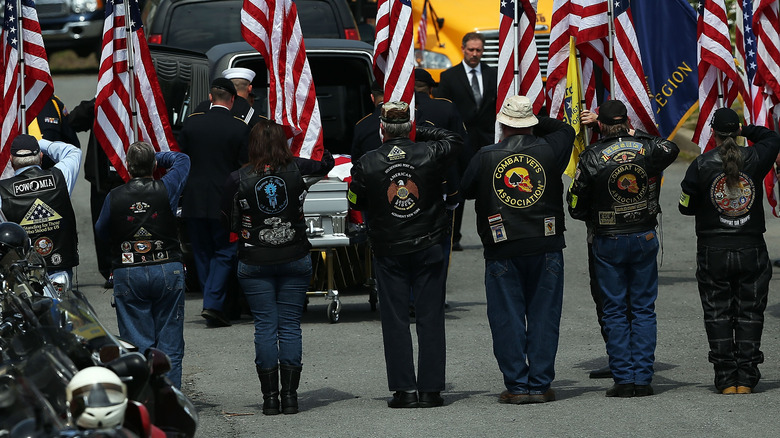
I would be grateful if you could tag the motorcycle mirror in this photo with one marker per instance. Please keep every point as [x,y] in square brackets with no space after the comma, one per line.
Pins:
[159,363]
[109,353]
[133,370]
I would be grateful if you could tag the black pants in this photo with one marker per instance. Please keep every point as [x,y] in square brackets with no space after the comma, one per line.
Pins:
[733,285]
[102,248]
[420,272]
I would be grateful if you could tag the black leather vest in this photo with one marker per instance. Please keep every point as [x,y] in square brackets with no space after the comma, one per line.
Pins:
[271,228]
[625,195]
[38,200]
[524,198]
[725,211]
[407,211]
[143,227]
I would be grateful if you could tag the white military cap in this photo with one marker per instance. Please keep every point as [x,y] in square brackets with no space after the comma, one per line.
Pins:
[238,73]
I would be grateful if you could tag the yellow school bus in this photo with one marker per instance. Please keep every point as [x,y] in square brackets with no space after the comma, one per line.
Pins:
[454,18]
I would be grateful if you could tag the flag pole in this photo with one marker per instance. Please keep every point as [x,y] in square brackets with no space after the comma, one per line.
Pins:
[611,22]
[20,52]
[582,89]
[516,50]
[719,80]
[131,71]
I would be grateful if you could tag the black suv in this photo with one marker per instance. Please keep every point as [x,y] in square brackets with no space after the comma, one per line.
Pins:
[198,25]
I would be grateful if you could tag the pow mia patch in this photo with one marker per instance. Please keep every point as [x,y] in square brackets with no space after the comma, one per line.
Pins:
[34,185]
[628,184]
[519,181]
[736,201]
[271,194]
[44,246]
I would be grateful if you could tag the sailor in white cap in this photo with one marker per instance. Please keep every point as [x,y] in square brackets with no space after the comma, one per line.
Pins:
[242,78]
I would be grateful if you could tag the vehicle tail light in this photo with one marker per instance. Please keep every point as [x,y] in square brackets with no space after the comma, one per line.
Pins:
[155,38]
[352,34]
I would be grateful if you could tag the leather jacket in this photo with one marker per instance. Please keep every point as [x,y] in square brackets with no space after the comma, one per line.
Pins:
[399,186]
[618,182]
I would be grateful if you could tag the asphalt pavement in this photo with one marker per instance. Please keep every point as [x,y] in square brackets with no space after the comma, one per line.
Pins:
[343,388]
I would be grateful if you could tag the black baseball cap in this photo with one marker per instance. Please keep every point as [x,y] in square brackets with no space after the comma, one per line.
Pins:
[224,84]
[725,121]
[25,146]
[422,75]
[612,112]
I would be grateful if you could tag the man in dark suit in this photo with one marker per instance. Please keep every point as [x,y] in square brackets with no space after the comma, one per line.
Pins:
[216,142]
[471,86]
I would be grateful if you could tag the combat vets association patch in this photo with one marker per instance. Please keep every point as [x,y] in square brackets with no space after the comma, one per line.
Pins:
[396,153]
[627,184]
[519,181]
[735,201]
[43,245]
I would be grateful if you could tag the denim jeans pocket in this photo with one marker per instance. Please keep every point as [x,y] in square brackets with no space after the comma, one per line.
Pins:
[649,242]
[496,268]
[554,263]
[302,266]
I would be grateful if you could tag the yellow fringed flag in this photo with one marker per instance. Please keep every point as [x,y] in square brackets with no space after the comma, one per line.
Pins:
[572,106]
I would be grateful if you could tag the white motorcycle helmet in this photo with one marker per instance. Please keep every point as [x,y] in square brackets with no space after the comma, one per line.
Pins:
[97,398]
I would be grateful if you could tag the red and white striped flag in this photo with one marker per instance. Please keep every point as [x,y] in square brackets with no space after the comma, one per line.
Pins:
[719,82]
[516,39]
[766,27]
[38,86]
[272,27]
[393,51]
[756,103]
[564,26]
[422,29]
[122,89]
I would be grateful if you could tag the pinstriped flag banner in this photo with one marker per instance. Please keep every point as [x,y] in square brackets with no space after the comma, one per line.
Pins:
[393,51]
[516,39]
[114,102]
[38,86]
[272,27]
[718,79]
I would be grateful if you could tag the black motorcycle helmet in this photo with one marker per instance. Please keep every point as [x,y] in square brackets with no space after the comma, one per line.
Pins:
[14,238]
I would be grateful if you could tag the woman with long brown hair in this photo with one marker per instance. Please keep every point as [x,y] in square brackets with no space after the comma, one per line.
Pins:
[723,188]
[264,203]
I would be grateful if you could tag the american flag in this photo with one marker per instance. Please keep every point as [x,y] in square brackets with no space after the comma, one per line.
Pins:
[718,78]
[119,77]
[422,30]
[516,38]
[393,54]
[38,86]
[272,27]
[766,27]
[755,110]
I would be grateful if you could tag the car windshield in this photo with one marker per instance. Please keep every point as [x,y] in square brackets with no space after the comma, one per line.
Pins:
[192,25]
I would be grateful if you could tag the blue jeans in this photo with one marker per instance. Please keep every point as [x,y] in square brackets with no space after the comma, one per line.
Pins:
[524,300]
[150,310]
[627,273]
[276,295]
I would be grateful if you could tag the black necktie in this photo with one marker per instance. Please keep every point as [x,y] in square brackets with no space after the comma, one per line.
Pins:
[475,87]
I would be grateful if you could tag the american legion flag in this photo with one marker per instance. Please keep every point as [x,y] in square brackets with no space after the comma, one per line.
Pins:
[393,51]
[21,24]
[128,94]
[518,63]
[272,27]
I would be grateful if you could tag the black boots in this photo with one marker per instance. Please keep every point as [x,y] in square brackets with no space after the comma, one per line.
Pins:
[291,376]
[269,383]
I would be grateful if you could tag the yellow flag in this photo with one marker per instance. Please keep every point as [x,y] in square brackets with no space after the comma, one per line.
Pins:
[571,113]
